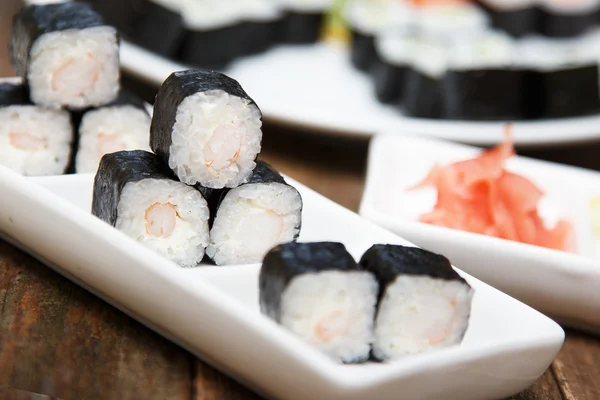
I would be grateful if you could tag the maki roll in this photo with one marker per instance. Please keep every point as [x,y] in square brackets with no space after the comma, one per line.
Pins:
[367,19]
[394,52]
[214,34]
[68,55]
[516,17]
[158,26]
[254,217]
[423,303]
[562,79]
[303,20]
[261,18]
[422,97]
[562,19]
[137,194]
[455,19]
[33,141]
[122,125]
[480,83]
[318,292]
[206,129]
[120,14]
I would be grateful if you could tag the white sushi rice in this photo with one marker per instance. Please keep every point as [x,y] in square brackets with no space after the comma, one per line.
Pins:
[458,19]
[35,141]
[251,220]
[429,58]
[420,313]
[333,311]
[306,6]
[396,49]
[546,55]
[491,49]
[215,140]
[167,216]
[75,68]
[573,7]
[260,10]
[211,14]
[375,16]
[108,130]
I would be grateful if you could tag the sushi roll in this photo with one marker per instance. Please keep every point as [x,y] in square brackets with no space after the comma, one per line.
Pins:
[422,97]
[480,83]
[254,217]
[122,125]
[563,19]
[423,303]
[120,14]
[456,19]
[368,19]
[68,55]
[318,292]
[516,17]
[137,194]
[261,19]
[34,141]
[215,33]
[158,26]
[303,21]
[206,129]
[563,77]
[394,52]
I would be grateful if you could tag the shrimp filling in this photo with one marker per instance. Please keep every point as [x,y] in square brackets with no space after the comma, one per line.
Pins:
[223,147]
[418,313]
[76,76]
[26,141]
[109,144]
[161,220]
[333,311]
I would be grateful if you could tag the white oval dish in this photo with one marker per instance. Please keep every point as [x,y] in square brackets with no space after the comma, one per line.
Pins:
[315,88]
[564,285]
[214,312]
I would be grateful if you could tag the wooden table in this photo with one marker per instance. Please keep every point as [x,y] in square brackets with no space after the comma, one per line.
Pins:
[58,340]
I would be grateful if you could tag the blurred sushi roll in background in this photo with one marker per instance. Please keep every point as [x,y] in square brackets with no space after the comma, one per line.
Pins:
[214,33]
[34,141]
[303,20]
[568,18]
[206,129]
[422,96]
[563,78]
[261,19]
[423,303]
[137,194]
[123,15]
[157,25]
[481,83]
[253,218]
[452,19]
[516,17]
[394,55]
[121,125]
[318,292]
[369,18]
[68,55]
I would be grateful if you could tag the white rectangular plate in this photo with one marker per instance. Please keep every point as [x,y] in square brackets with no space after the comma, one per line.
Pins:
[564,285]
[214,312]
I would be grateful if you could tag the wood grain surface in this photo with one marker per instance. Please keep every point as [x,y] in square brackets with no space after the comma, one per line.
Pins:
[59,341]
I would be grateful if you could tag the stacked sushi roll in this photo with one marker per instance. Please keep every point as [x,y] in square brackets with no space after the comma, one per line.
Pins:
[201,191]
[491,61]
[67,110]
[397,301]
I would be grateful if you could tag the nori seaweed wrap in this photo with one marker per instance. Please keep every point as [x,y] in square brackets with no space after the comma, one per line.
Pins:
[218,146]
[13,91]
[518,18]
[253,217]
[158,27]
[563,19]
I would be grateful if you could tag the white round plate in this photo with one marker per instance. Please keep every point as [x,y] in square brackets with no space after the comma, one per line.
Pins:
[315,87]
